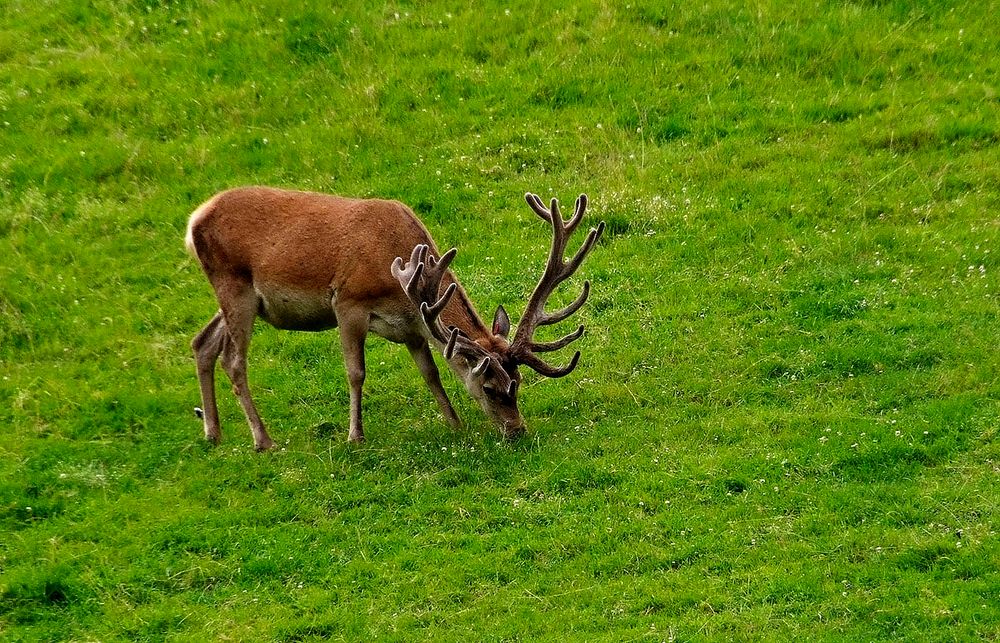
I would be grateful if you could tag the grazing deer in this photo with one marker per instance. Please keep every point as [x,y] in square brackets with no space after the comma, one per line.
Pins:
[308,261]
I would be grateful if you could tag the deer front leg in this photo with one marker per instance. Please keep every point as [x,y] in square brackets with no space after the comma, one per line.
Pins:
[421,354]
[353,330]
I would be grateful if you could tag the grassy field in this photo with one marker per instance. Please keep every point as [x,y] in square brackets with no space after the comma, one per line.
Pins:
[784,422]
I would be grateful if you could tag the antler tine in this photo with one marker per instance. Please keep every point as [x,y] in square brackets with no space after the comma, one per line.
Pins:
[431,313]
[581,207]
[588,245]
[418,254]
[413,285]
[409,274]
[558,316]
[559,232]
[480,369]
[449,349]
[440,265]
[536,204]
[542,368]
[545,347]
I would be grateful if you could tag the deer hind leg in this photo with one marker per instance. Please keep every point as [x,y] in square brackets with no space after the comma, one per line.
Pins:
[353,330]
[239,308]
[421,354]
[206,346]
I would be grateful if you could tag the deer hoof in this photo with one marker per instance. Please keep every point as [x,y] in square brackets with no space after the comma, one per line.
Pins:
[265,445]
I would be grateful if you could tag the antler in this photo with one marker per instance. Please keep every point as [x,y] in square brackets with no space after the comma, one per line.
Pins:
[421,279]
[523,347]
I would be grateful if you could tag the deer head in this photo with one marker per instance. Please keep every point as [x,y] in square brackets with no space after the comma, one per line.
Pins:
[488,364]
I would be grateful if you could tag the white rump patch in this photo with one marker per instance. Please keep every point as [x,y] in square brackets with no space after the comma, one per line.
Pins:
[196,216]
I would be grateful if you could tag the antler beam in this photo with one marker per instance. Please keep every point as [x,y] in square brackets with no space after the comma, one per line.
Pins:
[557,270]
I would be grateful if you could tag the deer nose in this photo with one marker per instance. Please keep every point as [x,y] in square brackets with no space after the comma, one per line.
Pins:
[513,431]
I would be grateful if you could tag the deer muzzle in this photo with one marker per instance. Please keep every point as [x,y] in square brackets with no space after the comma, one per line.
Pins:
[513,431]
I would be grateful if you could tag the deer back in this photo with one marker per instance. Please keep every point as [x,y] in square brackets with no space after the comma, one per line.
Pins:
[305,240]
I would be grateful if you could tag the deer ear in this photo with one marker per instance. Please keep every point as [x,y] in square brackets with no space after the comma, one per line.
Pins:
[501,323]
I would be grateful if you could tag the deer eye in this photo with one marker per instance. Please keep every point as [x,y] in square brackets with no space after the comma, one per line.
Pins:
[495,393]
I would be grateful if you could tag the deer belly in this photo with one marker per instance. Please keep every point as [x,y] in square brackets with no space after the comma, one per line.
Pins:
[289,309]
[394,327]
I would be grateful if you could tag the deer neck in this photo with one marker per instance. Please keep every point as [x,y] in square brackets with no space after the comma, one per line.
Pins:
[461,314]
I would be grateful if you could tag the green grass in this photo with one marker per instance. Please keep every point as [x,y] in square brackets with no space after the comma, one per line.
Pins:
[783,426]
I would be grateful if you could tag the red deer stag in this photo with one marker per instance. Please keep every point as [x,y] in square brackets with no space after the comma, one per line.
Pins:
[308,261]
